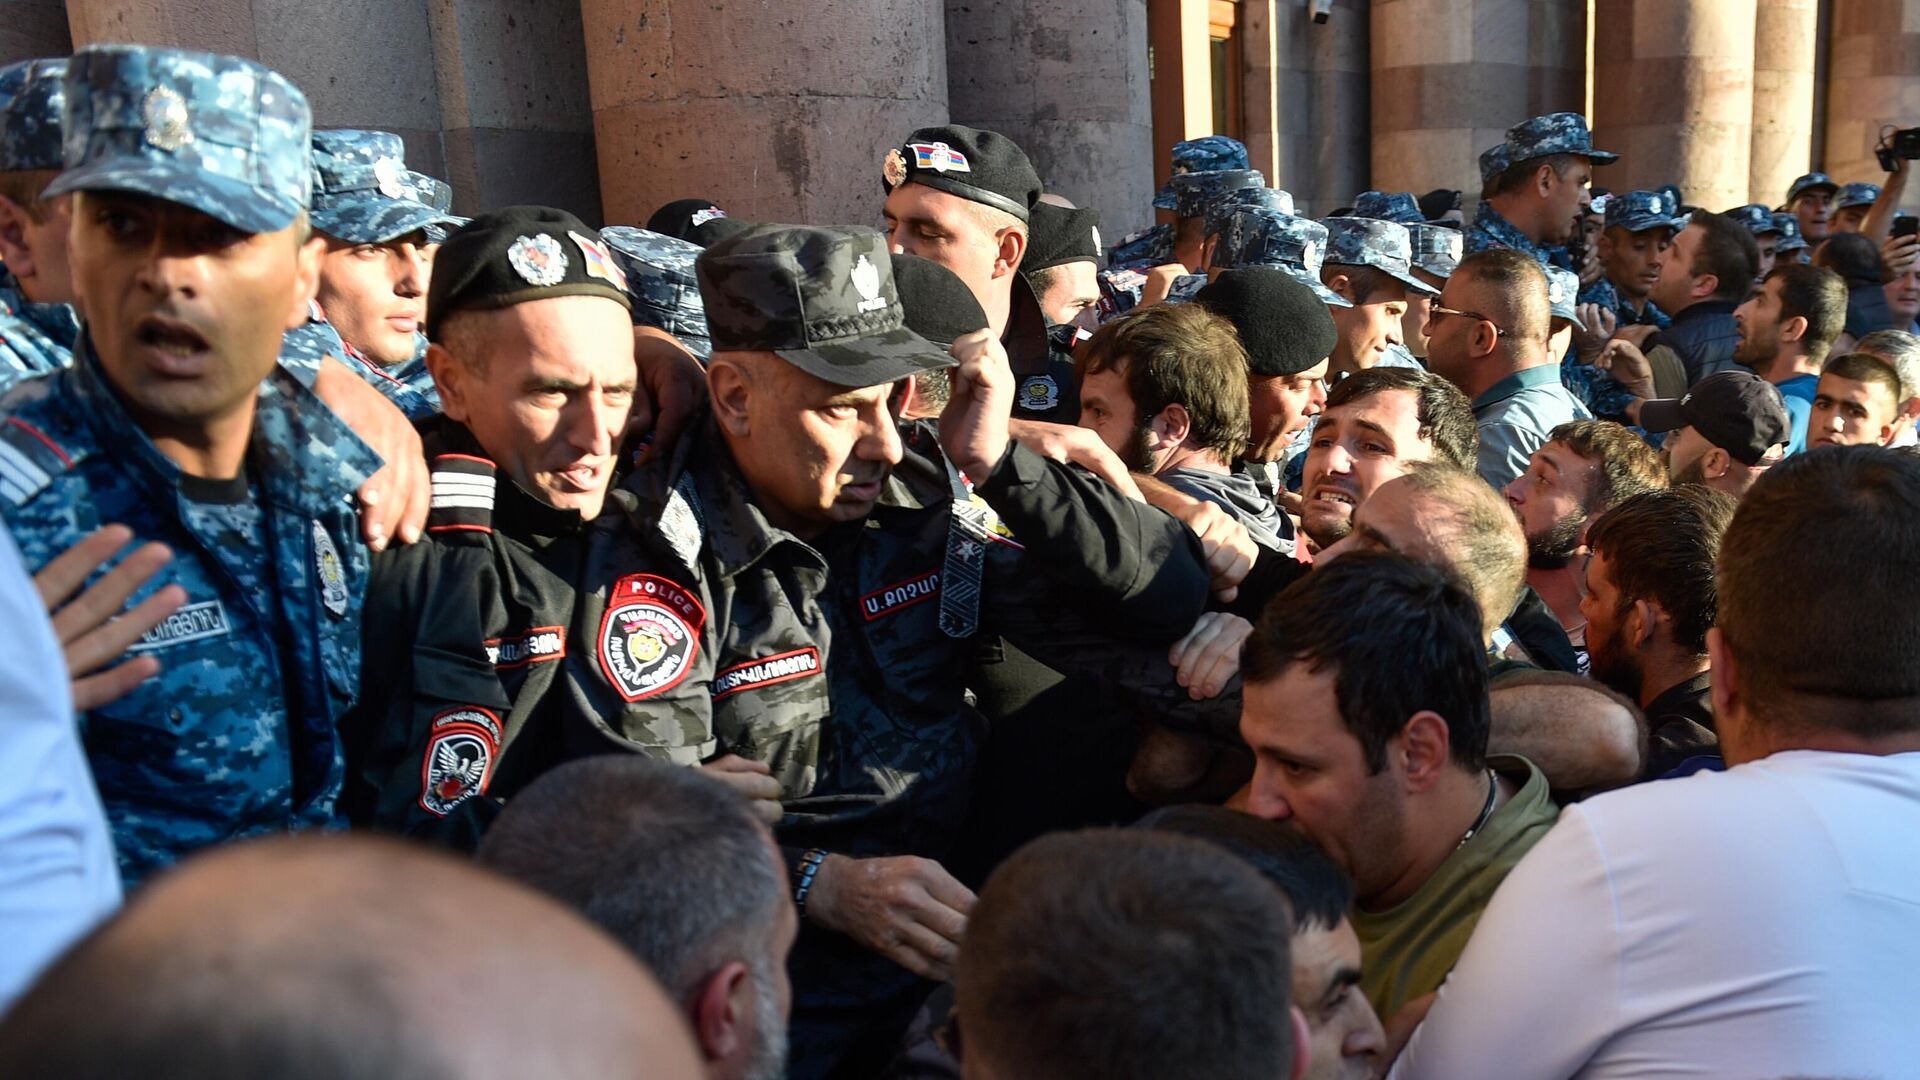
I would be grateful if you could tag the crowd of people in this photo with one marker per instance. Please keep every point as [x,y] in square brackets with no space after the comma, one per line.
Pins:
[1391,644]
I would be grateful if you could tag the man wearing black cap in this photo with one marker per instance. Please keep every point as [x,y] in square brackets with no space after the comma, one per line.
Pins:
[697,221]
[802,580]
[1727,430]
[964,197]
[1063,260]
[1288,336]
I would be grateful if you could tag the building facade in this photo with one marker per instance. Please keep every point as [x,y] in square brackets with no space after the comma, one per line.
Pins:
[783,109]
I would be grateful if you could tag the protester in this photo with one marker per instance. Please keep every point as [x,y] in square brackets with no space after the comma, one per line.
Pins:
[1855,403]
[1704,274]
[1726,431]
[1785,332]
[1902,350]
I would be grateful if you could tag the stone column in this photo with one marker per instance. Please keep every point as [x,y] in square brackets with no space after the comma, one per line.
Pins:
[1306,95]
[1674,96]
[1450,76]
[1067,80]
[778,112]
[1873,80]
[1783,58]
[30,29]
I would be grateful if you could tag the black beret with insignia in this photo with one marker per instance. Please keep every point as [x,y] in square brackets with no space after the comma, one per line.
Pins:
[517,254]
[1057,235]
[1283,325]
[984,166]
[697,221]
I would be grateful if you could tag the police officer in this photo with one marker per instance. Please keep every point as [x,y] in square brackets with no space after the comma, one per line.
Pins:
[666,295]
[1162,244]
[1639,226]
[1851,206]
[1759,221]
[373,277]
[1792,246]
[1122,290]
[1196,196]
[1369,263]
[1535,204]
[190,175]
[37,324]
[801,580]
[1436,250]
[528,320]
[1062,262]
[1810,200]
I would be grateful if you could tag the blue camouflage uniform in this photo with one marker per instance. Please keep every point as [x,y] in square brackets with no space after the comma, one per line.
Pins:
[34,338]
[1398,206]
[1791,242]
[1855,194]
[1382,245]
[236,735]
[1535,137]
[1636,212]
[363,194]
[1153,246]
[666,294]
[1194,195]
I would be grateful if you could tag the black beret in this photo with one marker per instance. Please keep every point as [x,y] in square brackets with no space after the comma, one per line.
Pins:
[517,254]
[984,166]
[1283,325]
[1057,235]
[697,221]
[937,304]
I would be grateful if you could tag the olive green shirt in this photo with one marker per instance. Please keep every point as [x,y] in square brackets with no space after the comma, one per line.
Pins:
[1408,949]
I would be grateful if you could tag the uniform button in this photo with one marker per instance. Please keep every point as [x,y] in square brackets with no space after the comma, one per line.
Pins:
[176,716]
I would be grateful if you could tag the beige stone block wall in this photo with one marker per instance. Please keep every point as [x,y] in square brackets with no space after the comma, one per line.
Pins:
[1784,48]
[1308,134]
[1873,80]
[779,112]
[1450,76]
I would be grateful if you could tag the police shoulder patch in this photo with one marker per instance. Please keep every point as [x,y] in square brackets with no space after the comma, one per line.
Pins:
[462,494]
[649,636]
[461,747]
[29,460]
[1038,393]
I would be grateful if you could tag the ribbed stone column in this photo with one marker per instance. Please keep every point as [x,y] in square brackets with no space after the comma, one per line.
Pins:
[1873,80]
[1783,57]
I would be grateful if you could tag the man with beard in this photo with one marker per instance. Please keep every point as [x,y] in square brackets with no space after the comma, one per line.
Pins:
[1165,389]
[1785,332]
[1535,202]
[1725,432]
[1585,468]
[685,875]
[1649,603]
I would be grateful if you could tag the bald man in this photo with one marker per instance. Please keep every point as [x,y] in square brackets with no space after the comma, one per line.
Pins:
[362,959]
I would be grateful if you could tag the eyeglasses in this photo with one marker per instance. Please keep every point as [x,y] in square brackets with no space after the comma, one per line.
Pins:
[1436,309]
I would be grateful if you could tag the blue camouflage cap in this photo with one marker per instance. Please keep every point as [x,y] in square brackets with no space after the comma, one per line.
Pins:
[360,188]
[1436,248]
[438,194]
[1258,236]
[1214,153]
[1493,162]
[1397,206]
[30,101]
[1223,208]
[1383,245]
[1194,192]
[1554,133]
[666,291]
[1563,291]
[1788,226]
[1757,217]
[1856,194]
[1812,181]
[218,134]
[1640,211]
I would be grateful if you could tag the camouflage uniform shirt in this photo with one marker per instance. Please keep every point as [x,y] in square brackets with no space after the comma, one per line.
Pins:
[35,339]
[236,735]
[1492,230]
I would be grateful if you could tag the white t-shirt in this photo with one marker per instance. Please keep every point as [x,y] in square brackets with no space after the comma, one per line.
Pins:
[1758,923]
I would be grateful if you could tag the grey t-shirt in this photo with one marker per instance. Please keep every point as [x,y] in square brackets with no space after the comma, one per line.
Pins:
[1240,495]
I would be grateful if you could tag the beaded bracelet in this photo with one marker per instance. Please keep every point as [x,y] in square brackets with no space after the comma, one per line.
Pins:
[803,875]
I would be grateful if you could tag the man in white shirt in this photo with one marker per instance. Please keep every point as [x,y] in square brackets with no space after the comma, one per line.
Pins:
[1764,921]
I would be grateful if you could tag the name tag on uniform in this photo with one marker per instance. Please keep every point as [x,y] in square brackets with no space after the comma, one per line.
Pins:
[767,671]
[535,646]
[907,593]
[194,622]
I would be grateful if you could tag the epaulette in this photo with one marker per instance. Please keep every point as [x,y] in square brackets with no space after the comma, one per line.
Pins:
[463,487]
[30,459]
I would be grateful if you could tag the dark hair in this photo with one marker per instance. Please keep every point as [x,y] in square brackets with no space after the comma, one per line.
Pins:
[1318,892]
[1628,466]
[1443,412]
[1362,281]
[1853,257]
[1126,955]
[1400,637]
[1728,252]
[1516,297]
[1662,546]
[1866,368]
[670,862]
[1819,602]
[1521,173]
[1178,354]
[1817,295]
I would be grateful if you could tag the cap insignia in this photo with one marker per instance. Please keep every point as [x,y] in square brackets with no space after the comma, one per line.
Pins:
[894,169]
[598,261]
[165,112]
[1096,241]
[866,280]
[708,213]
[387,175]
[939,157]
[538,260]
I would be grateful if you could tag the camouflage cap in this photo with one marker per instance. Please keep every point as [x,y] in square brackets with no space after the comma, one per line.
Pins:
[1756,217]
[1397,206]
[360,189]
[517,255]
[1223,208]
[823,299]
[219,134]
[1642,211]
[430,190]
[1194,192]
[1257,236]
[1856,194]
[30,101]
[983,166]
[1213,153]
[1788,226]
[1383,245]
[1437,249]
[1813,181]
[1554,133]
[1563,291]
[660,277]
[1493,162]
